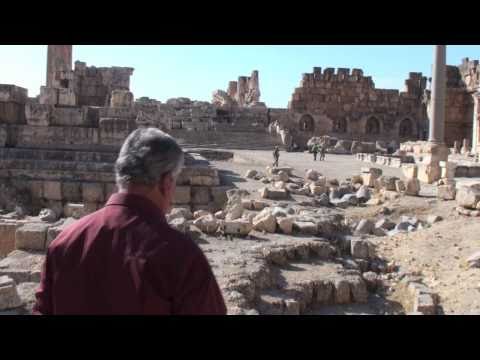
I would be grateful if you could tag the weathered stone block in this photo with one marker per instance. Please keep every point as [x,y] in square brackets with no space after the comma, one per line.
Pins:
[38,114]
[200,195]
[31,236]
[237,227]
[7,237]
[22,266]
[410,171]
[52,190]
[93,192]
[75,211]
[182,195]
[468,196]
[9,298]
[72,191]
[429,173]
[446,192]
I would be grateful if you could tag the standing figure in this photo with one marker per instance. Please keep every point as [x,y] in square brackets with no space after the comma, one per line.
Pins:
[323,150]
[276,156]
[315,151]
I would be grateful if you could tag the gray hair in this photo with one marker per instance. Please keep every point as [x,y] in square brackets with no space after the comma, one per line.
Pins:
[146,156]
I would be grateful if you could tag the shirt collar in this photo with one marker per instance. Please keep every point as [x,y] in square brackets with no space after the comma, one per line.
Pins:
[141,204]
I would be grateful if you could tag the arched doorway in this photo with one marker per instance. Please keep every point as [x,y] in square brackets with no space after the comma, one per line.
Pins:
[405,129]
[372,127]
[306,123]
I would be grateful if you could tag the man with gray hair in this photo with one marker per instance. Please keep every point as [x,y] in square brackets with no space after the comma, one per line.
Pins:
[124,258]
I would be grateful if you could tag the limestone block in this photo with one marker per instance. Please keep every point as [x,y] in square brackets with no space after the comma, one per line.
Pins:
[38,114]
[265,221]
[121,98]
[358,289]
[412,187]
[72,191]
[247,204]
[429,173]
[447,169]
[368,180]
[237,227]
[219,195]
[342,291]
[48,95]
[182,195]
[386,182]
[184,212]
[197,214]
[274,194]
[31,236]
[207,223]
[317,190]
[93,192]
[259,204]
[446,192]
[204,180]
[305,227]
[52,190]
[66,97]
[9,298]
[22,266]
[410,171]
[73,210]
[364,227]
[200,195]
[285,224]
[7,237]
[468,196]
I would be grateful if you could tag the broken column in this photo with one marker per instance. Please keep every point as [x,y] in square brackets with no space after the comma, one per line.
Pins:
[435,150]
[59,58]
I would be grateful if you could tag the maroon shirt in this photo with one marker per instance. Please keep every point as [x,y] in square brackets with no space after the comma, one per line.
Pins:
[125,259]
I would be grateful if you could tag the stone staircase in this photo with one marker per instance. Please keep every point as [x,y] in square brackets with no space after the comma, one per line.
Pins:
[241,140]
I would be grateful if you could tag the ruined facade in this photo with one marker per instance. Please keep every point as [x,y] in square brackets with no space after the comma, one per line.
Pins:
[345,104]
[242,93]
[462,111]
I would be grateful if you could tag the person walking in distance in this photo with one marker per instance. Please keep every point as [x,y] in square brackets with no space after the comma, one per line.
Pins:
[315,151]
[125,258]
[323,150]
[276,156]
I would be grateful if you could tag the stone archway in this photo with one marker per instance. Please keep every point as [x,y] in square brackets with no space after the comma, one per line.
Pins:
[372,127]
[405,129]
[306,123]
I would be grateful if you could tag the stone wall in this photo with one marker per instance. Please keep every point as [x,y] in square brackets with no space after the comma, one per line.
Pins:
[346,104]
[93,86]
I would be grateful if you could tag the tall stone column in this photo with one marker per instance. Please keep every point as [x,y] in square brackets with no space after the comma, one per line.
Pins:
[59,57]
[476,119]
[439,85]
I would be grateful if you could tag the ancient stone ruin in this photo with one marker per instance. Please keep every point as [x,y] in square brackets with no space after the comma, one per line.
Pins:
[291,239]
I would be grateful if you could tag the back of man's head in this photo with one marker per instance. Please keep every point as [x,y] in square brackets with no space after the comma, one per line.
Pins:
[146,156]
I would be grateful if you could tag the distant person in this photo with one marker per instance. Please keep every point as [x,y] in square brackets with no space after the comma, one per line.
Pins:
[315,151]
[276,156]
[323,150]
[125,258]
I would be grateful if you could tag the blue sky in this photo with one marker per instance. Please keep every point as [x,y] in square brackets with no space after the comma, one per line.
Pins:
[164,72]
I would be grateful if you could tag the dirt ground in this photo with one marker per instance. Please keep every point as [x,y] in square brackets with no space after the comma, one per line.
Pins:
[436,253]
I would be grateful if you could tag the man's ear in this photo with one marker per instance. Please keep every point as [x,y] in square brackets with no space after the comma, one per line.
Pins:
[166,184]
